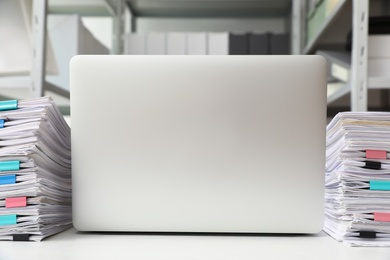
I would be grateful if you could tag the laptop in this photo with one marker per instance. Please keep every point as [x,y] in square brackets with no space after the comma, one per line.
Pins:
[224,144]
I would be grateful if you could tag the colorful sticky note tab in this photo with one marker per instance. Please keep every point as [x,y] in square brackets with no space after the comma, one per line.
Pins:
[8,179]
[8,220]
[367,234]
[379,185]
[8,105]
[21,237]
[373,165]
[382,216]
[16,202]
[376,154]
[1,123]
[9,166]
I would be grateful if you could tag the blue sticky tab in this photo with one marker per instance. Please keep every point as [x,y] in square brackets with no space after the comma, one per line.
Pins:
[7,179]
[9,166]
[379,185]
[8,105]
[8,220]
[1,123]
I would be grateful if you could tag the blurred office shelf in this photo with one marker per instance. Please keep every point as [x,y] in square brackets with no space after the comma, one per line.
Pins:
[44,71]
[28,37]
[35,80]
[211,8]
[289,12]
[327,27]
[82,7]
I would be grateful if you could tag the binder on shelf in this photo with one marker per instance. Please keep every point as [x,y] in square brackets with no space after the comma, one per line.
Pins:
[339,64]
[218,43]
[259,43]
[197,43]
[176,43]
[238,44]
[135,44]
[79,40]
[155,44]
[279,44]
[378,46]
[378,67]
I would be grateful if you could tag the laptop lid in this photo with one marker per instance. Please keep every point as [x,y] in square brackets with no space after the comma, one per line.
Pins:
[198,143]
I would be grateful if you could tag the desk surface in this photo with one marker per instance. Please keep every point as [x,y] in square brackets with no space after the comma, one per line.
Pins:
[75,245]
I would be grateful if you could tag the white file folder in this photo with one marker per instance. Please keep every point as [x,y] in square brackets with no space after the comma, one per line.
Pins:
[156,44]
[176,43]
[135,44]
[197,43]
[218,43]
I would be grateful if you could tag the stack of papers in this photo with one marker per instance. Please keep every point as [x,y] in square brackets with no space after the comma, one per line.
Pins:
[35,170]
[358,178]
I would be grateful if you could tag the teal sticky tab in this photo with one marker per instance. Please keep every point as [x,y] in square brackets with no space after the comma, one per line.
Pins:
[379,185]
[8,105]
[9,166]
[7,179]
[8,220]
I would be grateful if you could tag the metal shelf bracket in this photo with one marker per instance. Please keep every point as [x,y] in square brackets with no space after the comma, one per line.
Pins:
[359,55]
[39,47]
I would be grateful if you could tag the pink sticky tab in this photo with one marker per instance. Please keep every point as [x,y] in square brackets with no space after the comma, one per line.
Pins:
[16,202]
[382,216]
[376,154]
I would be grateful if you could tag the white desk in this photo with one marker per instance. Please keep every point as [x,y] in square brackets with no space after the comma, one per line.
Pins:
[74,245]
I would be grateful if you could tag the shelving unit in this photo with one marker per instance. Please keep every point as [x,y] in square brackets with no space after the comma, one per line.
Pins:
[347,15]
[290,10]
[116,9]
[335,26]
[35,84]
[36,81]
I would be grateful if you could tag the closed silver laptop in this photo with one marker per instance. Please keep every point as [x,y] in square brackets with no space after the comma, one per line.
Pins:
[198,143]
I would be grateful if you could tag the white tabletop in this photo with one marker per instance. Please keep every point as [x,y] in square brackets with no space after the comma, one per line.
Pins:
[75,245]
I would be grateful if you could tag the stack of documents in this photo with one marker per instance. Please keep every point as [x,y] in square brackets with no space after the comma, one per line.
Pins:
[35,170]
[358,178]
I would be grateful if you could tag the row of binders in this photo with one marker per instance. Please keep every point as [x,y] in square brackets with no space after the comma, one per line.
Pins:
[357,180]
[35,170]
[207,43]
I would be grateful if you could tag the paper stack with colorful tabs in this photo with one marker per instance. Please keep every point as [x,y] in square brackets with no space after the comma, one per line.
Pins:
[357,190]
[35,170]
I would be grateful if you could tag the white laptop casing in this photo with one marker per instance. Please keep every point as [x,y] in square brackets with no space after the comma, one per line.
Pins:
[198,143]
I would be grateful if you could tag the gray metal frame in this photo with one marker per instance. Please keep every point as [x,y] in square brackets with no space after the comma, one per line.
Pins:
[38,67]
[297,17]
[359,76]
